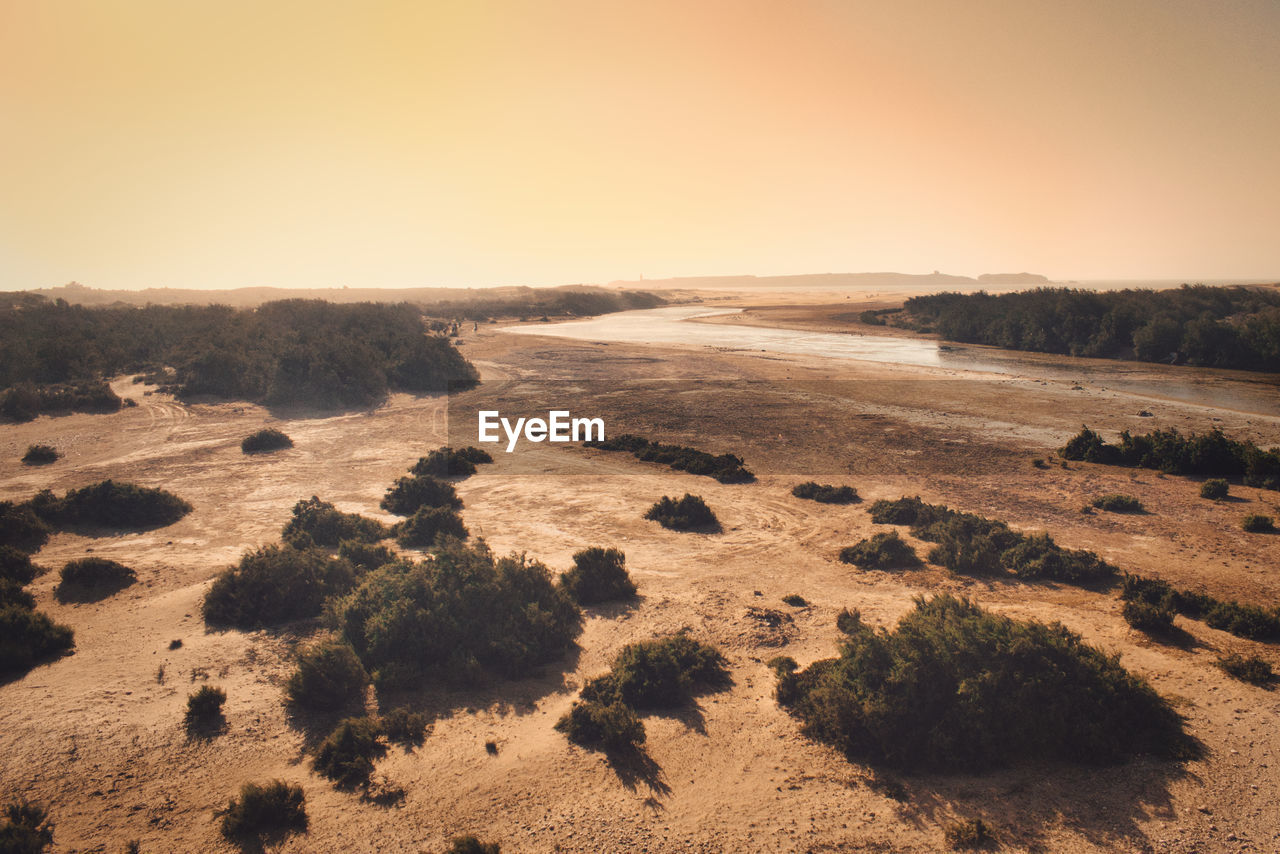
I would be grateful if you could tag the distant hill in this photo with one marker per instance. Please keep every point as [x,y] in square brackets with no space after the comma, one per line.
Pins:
[1013,279]
[828,281]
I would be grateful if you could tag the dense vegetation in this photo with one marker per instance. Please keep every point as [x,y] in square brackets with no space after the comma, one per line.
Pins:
[725,468]
[689,513]
[265,810]
[409,494]
[447,462]
[1209,455]
[973,545]
[40,455]
[1247,621]
[292,351]
[26,401]
[954,687]
[428,524]
[826,494]
[329,676]
[26,829]
[542,302]
[456,616]
[27,636]
[265,441]
[885,550]
[598,575]
[108,504]
[346,756]
[320,523]
[93,578]
[276,584]
[1220,327]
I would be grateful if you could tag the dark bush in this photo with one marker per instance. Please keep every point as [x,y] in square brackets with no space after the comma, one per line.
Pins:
[111,505]
[1215,488]
[456,616]
[1257,523]
[365,556]
[405,727]
[1251,669]
[826,494]
[885,550]
[328,526]
[1038,557]
[21,528]
[958,688]
[26,829]
[795,600]
[1247,621]
[447,462]
[93,578]
[28,637]
[265,809]
[1210,454]
[901,511]
[11,593]
[265,441]
[660,673]
[276,584]
[471,845]
[969,834]
[16,566]
[1116,503]
[329,676]
[422,529]
[346,756]
[598,575]
[1145,617]
[725,468]
[410,494]
[690,513]
[39,455]
[25,402]
[204,707]
[615,727]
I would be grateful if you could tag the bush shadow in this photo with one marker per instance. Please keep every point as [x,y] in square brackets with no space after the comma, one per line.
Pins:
[77,594]
[635,768]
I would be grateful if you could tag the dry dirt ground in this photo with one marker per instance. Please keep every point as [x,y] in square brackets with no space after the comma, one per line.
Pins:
[98,735]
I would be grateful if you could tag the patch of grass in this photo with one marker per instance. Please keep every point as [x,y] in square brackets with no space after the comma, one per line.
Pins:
[409,494]
[329,676]
[795,600]
[598,575]
[204,707]
[690,513]
[1215,488]
[427,525]
[1257,523]
[969,834]
[276,584]
[446,462]
[1251,669]
[264,810]
[108,504]
[40,455]
[346,756]
[954,687]
[826,494]
[26,829]
[613,727]
[885,550]
[327,526]
[265,441]
[93,578]
[1114,502]
[726,468]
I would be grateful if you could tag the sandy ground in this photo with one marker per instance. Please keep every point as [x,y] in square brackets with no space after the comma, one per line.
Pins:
[98,735]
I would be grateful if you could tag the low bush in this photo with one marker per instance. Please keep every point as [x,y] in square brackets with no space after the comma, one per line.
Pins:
[885,550]
[615,727]
[660,673]
[955,687]
[456,616]
[1149,618]
[598,575]
[11,593]
[28,637]
[1117,503]
[690,513]
[346,756]
[1215,488]
[1247,621]
[826,494]
[1037,556]
[1211,455]
[21,528]
[40,455]
[329,676]
[91,578]
[405,727]
[16,566]
[409,494]
[427,524]
[109,504]
[276,584]
[1251,669]
[265,441]
[725,468]
[900,511]
[265,809]
[26,402]
[447,462]
[365,556]
[327,526]
[969,834]
[1257,523]
[26,829]
[204,707]
[472,845]
[795,600]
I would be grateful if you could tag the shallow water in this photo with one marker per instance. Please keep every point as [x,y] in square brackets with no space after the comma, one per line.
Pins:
[1238,391]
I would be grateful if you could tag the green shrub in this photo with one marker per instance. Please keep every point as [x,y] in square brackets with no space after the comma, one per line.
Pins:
[21,528]
[1037,557]
[16,566]
[1257,523]
[25,402]
[346,756]
[446,462]
[427,524]
[1251,669]
[204,707]
[1145,617]
[92,578]
[328,526]
[1247,621]
[795,600]
[28,637]
[725,468]
[1211,455]
[329,676]
[901,511]
[26,829]
[1215,488]
[111,505]
[690,513]
[265,809]
[615,727]
[11,593]
[40,455]
[402,726]
[410,494]
[598,575]
[276,584]
[265,441]
[659,673]
[826,494]
[365,556]
[456,616]
[471,845]
[1116,503]
[885,550]
[958,688]
[969,834]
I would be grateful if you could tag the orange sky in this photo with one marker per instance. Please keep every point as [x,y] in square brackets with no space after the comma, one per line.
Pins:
[193,143]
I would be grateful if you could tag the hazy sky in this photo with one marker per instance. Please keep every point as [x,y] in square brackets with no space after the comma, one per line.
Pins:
[213,143]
